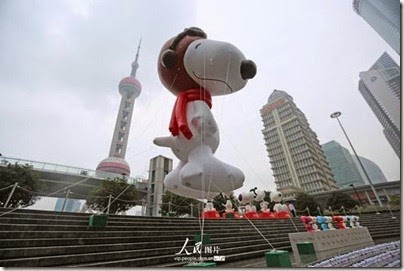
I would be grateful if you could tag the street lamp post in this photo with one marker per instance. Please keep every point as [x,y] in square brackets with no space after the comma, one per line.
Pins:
[360,201]
[335,116]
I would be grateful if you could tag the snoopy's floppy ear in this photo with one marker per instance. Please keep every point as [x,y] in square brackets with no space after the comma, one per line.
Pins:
[168,58]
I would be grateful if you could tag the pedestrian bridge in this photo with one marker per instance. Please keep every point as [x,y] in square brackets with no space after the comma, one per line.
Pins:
[56,177]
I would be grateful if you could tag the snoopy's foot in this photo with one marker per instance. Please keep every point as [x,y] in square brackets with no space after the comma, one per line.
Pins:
[172,180]
[212,176]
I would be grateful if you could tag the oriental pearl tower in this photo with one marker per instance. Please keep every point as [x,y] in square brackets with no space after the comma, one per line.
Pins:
[129,88]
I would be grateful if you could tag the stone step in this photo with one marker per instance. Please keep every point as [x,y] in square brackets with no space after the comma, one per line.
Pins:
[136,220]
[101,233]
[58,213]
[140,222]
[59,227]
[169,258]
[131,255]
[11,253]
[33,241]
[231,258]
[21,224]
[41,242]
[82,219]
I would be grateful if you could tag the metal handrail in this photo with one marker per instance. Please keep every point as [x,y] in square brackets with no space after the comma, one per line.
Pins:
[44,166]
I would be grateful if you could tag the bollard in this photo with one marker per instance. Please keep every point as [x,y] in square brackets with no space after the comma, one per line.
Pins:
[278,258]
[205,239]
[98,220]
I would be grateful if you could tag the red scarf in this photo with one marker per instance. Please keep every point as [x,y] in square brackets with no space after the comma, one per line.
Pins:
[178,122]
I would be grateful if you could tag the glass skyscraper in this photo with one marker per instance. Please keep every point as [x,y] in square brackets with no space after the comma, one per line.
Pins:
[372,169]
[342,164]
[380,86]
[384,17]
[297,160]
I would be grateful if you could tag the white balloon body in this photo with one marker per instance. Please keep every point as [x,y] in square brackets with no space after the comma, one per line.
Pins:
[215,66]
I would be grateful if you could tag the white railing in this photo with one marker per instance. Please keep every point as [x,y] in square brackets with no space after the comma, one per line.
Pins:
[43,166]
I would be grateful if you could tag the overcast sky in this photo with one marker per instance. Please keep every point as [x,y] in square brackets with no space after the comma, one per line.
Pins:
[62,61]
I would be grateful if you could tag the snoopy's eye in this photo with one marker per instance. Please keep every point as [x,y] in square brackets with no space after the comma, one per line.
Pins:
[196,46]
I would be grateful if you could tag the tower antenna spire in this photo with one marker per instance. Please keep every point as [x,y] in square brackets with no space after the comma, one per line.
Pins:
[135,64]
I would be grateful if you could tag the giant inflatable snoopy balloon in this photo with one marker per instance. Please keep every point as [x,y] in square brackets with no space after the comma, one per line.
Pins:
[195,68]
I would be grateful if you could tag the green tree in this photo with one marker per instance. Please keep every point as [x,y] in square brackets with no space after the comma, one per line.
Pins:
[304,200]
[395,200]
[26,178]
[339,199]
[99,197]
[179,204]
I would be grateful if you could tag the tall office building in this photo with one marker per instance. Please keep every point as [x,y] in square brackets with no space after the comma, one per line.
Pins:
[159,167]
[297,160]
[384,17]
[380,86]
[372,169]
[342,165]
[130,89]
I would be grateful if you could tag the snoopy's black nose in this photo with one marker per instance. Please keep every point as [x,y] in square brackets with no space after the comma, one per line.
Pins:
[248,69]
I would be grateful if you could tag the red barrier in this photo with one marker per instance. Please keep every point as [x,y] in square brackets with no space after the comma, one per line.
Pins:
[210,215]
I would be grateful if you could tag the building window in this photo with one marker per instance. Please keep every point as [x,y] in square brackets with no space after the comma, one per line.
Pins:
[120,137]
[125,115]
[127,105]
[123,125]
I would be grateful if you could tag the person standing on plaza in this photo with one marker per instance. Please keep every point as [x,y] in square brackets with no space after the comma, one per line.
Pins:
[292,209]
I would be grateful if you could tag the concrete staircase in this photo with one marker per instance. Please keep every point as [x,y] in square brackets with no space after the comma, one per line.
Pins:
[31,238]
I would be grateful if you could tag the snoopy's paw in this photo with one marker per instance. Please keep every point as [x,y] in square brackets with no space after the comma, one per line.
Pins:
[190,174]
[204,124]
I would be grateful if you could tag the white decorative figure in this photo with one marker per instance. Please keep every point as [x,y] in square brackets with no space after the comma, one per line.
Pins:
[329,223]
[248,208]
[209,207]
[252,195]
[344,221]
[253,208]
[194,68]
[351,221]
[277,198]
[264,207]
[314,223]
[356,221]
[229,206]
